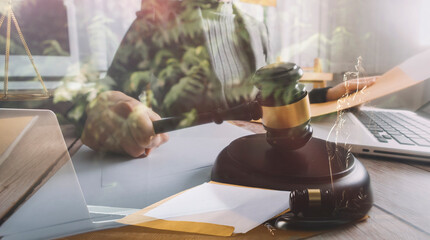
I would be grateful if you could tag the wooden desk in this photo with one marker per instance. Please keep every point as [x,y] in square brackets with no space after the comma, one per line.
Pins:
[401,208]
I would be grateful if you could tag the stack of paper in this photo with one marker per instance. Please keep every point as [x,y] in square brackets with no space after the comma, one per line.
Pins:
[215,209]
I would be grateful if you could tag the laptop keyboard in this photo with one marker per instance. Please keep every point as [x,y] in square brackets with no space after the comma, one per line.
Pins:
[388,126]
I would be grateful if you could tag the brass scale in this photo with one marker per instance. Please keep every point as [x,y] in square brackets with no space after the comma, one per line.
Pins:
[18,95]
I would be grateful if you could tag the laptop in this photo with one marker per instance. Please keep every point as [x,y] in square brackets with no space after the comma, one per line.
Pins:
[387,133]
[46,202]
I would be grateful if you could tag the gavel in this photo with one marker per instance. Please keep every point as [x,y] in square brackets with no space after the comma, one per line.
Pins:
[281,103]
[286,158]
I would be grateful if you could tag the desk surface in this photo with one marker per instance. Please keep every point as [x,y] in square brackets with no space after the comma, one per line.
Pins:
[401,208]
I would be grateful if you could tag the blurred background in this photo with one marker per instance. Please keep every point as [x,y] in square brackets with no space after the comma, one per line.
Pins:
[80,37]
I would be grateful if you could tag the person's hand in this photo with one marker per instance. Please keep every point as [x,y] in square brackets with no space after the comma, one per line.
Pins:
[348,87]
[119,123]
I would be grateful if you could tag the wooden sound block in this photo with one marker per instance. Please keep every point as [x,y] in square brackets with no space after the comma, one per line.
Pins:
[251,161]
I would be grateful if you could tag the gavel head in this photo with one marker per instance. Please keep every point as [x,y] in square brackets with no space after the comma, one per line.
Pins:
[285,105]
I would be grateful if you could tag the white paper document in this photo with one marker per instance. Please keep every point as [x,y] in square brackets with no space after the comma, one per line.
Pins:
[185,161]
[417,67]
[243,208]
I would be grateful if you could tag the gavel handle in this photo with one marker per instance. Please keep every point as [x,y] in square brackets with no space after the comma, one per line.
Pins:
[246,112]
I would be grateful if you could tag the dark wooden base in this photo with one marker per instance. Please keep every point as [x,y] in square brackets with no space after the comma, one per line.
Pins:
[251,161]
